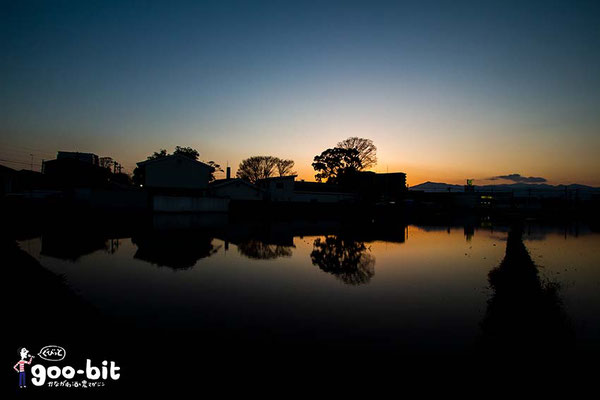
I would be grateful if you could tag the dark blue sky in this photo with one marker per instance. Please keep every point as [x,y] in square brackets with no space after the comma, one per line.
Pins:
[447,90]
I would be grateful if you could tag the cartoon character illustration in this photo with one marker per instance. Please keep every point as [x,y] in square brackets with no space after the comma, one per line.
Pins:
[20,366]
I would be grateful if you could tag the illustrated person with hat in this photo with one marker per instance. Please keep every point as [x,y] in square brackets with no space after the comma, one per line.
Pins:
[20,366]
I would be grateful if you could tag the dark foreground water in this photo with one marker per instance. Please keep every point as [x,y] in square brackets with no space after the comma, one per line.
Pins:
[199,286]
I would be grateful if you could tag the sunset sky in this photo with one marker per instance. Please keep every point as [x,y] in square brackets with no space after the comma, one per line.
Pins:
[446,90]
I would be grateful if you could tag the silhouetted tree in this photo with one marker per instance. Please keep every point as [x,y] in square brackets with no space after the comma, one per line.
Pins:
[284,167]
[367,152]
[261,167]
[158,154]
[122,178]
[105,162]
[216,167]
[333,164]
[347,260]
[138,176]
[187,152]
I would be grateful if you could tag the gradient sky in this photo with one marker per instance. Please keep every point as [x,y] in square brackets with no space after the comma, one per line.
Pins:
[446,90]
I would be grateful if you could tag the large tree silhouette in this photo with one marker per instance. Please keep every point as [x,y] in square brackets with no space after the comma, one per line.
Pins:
[261,167]
[284,167]
[187,152]
[333,165]
[367,152]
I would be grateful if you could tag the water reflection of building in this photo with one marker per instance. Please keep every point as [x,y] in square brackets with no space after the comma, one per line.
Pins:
[173,249]
[72,247]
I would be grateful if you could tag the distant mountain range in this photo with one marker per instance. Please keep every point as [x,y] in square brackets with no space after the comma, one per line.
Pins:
[517,188]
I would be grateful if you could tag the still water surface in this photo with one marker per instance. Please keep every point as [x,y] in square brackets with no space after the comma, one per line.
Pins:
[414,287]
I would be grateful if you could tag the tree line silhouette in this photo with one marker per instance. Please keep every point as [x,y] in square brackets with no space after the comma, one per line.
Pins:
[333,165]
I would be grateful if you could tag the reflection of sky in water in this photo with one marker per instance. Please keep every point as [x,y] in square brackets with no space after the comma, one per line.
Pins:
[436,282]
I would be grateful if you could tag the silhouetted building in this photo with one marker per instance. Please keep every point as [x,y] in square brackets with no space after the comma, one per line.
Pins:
[68,172]
[7,179]
[280,188]
[377,186]
[89,158]
[175,172]
[177,183]
[315,187]
[316,192]
[27,180]
[235,189]
[286,189]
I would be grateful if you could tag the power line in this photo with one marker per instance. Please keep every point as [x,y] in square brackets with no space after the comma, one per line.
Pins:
[20,162]
[26,149]
[14,161]
[12,150]
[19,156]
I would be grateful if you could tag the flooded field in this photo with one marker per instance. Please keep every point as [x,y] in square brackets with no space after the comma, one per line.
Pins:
[411,288]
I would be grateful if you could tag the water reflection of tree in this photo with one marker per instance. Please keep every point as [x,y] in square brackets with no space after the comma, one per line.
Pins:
[260,250]
[525,313]
[349,260]
[177,250]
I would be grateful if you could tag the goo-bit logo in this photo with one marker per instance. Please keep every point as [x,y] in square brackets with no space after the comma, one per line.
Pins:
[41,373]
[88,376]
